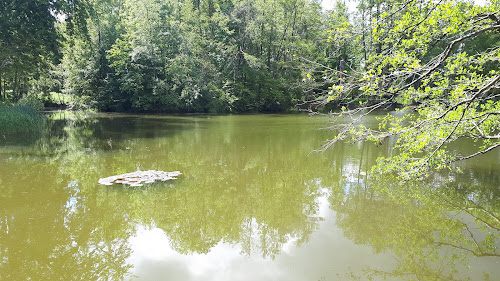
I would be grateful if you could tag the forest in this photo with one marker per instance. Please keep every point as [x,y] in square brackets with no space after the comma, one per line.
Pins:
[164,55]
[213,56]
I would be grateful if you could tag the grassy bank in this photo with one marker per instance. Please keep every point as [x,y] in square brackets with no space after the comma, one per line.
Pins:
[19,118]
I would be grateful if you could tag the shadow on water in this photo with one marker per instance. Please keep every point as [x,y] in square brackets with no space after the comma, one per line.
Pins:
[20,139]
[64,131]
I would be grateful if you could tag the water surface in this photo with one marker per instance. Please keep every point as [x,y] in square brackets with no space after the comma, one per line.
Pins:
[253,203]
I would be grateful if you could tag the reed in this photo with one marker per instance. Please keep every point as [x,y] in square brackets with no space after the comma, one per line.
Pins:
[19,118]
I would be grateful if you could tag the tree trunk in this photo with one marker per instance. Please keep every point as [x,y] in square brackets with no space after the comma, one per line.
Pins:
[16,86]
[364,39]
[1,88]
[379,45]
[269,49]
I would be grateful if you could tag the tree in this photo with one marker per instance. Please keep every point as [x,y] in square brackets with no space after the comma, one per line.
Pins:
[30,42]
[438,65]
[212,56]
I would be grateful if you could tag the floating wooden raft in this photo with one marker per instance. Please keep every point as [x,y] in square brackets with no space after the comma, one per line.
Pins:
[140,177]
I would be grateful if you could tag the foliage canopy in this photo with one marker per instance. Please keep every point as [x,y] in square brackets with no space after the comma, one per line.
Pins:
[438,64]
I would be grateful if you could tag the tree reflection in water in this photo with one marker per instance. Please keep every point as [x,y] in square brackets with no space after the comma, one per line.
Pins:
[247,190]
[434,229]
[247,182]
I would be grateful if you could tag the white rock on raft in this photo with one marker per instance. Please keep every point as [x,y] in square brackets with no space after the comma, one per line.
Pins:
[140,177]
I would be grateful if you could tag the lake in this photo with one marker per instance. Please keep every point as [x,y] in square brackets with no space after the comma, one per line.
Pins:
[254,202]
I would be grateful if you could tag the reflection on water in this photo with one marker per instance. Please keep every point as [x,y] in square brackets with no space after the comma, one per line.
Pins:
[252,203]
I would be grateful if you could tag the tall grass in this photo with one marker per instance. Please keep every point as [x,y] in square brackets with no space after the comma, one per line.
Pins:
[19,118]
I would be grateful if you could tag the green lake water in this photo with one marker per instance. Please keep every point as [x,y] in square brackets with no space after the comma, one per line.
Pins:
[253,203]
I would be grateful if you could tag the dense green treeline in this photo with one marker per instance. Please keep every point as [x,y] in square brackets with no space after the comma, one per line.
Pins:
[228,55]
[161,55]
[180,56]
[190,56]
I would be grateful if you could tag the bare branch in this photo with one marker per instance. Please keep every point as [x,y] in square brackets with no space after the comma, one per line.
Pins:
[476,154]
